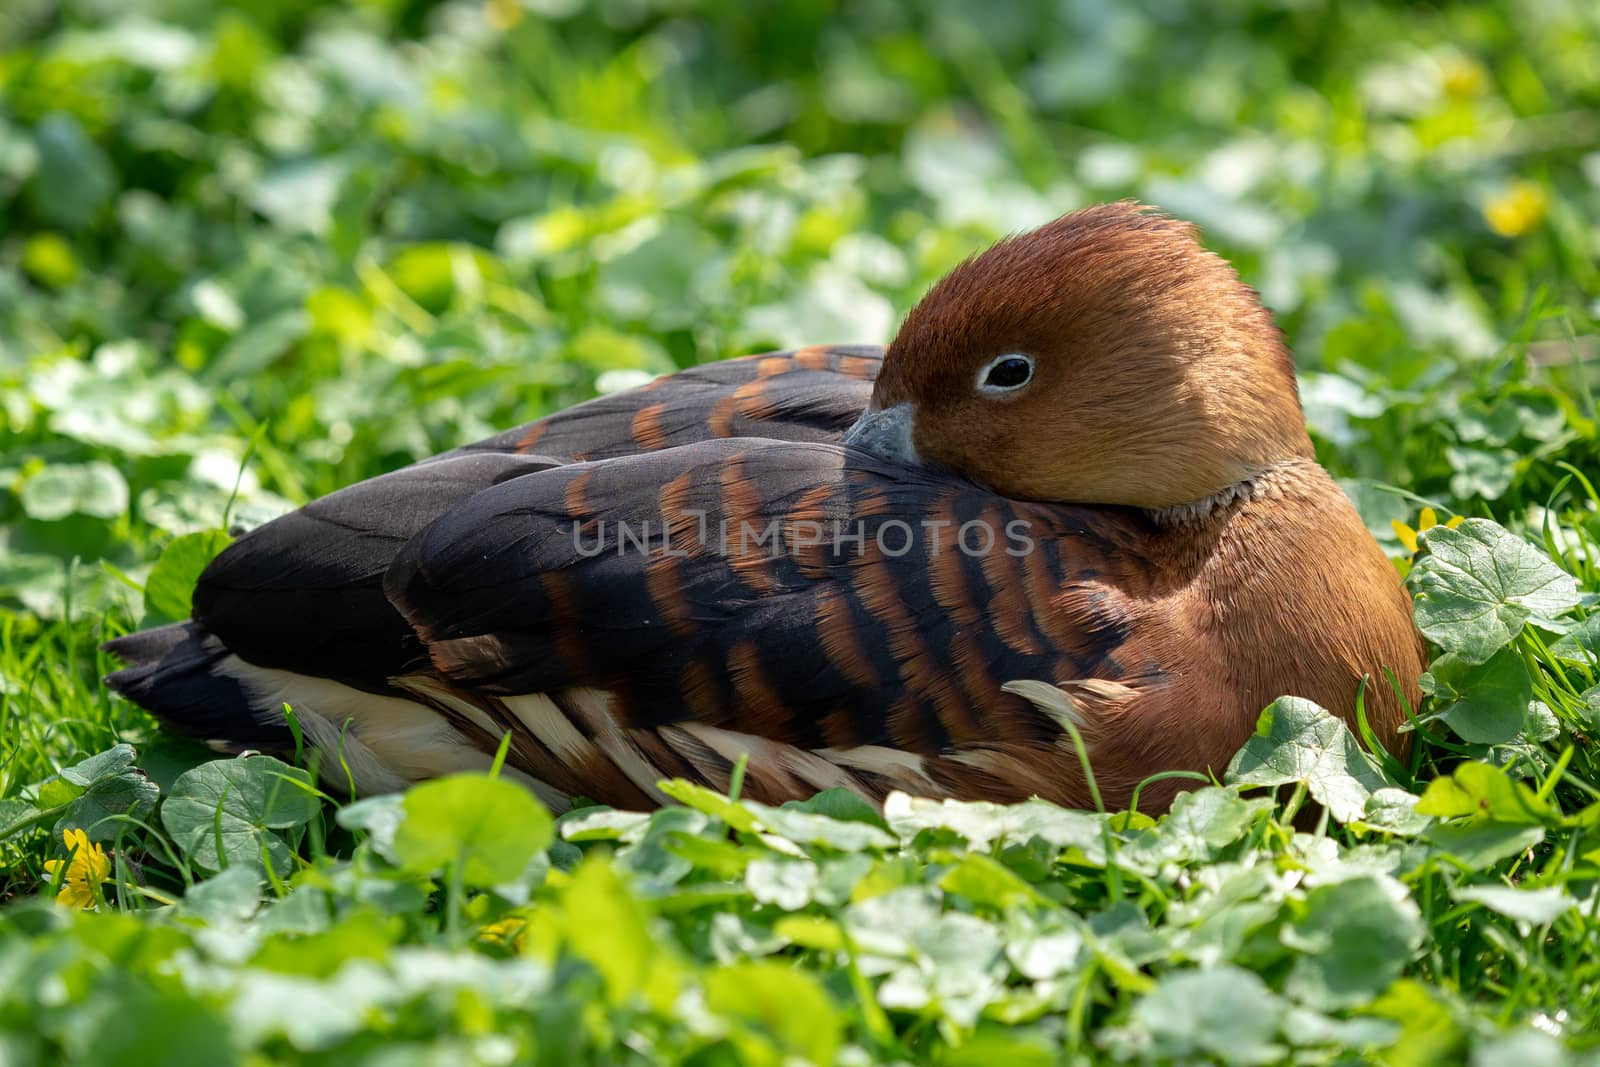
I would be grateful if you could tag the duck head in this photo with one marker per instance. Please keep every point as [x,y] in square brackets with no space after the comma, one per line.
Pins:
[1104,358]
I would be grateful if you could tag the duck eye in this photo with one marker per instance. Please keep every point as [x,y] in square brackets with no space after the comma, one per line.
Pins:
[1005,373]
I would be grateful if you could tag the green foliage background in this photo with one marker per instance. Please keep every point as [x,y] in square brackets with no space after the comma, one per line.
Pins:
[253,251]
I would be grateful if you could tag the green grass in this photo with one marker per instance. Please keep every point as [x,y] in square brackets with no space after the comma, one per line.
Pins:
[253,252]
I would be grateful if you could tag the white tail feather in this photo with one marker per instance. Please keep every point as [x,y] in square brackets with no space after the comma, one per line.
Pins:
[385,742]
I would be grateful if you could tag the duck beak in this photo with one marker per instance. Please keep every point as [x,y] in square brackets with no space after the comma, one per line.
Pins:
[886,432]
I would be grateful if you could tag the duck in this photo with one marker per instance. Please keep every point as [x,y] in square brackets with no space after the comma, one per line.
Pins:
[1073,502]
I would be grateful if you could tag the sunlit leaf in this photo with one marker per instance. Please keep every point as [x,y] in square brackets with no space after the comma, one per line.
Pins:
[63,489]
[1297,741]
[1355,937]
[1480,845]
[1478,585]
[75,178]
[171,583]
[785,1007]
[490,827]
[609,929]
[1478,789]
[223,813]
[1222,1012]
[1537,907]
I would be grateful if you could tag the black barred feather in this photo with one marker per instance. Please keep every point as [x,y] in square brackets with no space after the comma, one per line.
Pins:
[534,586]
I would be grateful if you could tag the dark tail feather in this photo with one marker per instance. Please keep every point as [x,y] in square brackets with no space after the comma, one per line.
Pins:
[171,673]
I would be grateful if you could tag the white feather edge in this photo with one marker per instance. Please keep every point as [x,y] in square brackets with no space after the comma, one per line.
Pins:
[389,742]
[1050,699]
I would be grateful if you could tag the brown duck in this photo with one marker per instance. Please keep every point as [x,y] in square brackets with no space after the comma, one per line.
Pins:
[1081,462]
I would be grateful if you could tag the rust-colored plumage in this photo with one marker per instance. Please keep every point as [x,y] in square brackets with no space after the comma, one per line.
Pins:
[1081,465]
[1161,379]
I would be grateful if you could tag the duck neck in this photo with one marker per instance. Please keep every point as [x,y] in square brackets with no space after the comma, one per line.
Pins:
[1289,476]
[1281,570]
[1234,539]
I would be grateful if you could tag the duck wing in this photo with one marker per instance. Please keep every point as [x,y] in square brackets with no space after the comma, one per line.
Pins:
[300,599]
[807,394]
[305,591]
[654,614]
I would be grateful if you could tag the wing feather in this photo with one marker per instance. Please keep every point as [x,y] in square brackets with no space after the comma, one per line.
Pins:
[305,592]
[801,608]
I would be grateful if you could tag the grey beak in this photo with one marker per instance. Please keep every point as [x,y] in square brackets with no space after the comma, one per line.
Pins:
[886,432]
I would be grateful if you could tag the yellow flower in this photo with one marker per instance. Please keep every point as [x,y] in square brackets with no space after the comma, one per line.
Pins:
[502,15]
[1426,520]
[1462,76]
[1516,208]
[87,866]
[507,932]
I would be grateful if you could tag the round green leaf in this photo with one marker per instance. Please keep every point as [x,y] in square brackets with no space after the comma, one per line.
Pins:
[380,816]
[1201,823]
[606,925]
[1298,741]
[1484,703]
[172,580]
[777,1005]
[63,489]
[1223,1012]
[223,812]
[107,764]
[1478,585]
[75,179]
[489,825]
[97,812]
[1537,907]
[1354,939]
[1480,789]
